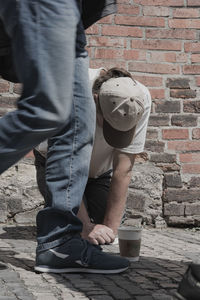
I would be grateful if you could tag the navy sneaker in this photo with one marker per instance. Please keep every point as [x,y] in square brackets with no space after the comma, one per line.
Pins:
[77,256]
[189,287]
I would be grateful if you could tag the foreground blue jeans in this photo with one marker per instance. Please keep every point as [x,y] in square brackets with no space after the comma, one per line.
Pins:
[49,50]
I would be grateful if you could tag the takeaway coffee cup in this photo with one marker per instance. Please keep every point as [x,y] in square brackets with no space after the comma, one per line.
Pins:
[129,242]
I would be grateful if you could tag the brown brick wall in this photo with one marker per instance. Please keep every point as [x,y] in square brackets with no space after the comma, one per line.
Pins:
[158,42]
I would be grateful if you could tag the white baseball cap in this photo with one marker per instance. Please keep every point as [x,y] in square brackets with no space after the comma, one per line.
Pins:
[122,103]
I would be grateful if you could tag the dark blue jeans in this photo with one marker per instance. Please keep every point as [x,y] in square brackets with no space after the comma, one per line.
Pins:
[48,43]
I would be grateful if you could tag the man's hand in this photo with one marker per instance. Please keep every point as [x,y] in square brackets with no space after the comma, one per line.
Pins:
[99,235]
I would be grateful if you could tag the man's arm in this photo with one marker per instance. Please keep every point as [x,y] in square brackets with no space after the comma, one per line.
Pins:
[105,233]
[122,171]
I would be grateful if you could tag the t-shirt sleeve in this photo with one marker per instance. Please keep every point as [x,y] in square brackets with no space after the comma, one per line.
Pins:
[137,146]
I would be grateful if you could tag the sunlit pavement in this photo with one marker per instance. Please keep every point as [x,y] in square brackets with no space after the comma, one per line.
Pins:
[164,257]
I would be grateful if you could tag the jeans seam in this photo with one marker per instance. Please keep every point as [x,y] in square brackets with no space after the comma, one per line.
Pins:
[71,160]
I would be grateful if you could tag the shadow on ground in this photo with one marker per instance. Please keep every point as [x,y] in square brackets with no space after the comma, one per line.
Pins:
[150,278]
[19,232]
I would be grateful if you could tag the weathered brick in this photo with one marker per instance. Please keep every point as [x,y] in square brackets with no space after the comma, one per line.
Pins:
[184,145]
[195,58]
[182,57]
[122,31]
[104,41]
[196,133]
[123,2]
[159,11]
[178,83]
[185,34]
[182,93]
[159,120]
[128,9]
[152,134]
[110,63]
[193,3]
[186,13]
[181,23]
[184,120]
[167,106]
[194,182]
[157,93]
[174,195]
[197,78]
[189,157]
[154,68]
[175,134]
[192,47]
[140,21]
[192,209]
[108,53]
[154,146]
[157,44]
[191,106]
[161,2]
[161,56]
[191,69]
[163,157]
[173,180]
[134,54]
[166,167]
[174,209]
[94,29]
[150,81]
[191,169]
[106,20]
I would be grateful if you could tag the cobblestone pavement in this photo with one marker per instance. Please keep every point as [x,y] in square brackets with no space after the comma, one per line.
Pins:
[164,256]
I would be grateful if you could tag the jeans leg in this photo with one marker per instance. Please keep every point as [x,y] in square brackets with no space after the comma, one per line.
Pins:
[43,34]
[96,194]
[68,160]
[40,163]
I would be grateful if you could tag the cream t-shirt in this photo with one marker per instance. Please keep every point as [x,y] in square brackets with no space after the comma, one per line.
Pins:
[102,154]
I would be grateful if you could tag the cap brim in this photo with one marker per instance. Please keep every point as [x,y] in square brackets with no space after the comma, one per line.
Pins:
[116,138]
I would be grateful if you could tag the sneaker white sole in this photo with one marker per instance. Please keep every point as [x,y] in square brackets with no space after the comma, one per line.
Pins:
[77,270]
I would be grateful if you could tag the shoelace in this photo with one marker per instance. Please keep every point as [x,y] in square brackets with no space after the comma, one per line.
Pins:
[86,254]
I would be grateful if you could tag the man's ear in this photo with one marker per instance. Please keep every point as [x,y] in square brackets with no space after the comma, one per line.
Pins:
[103,72]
